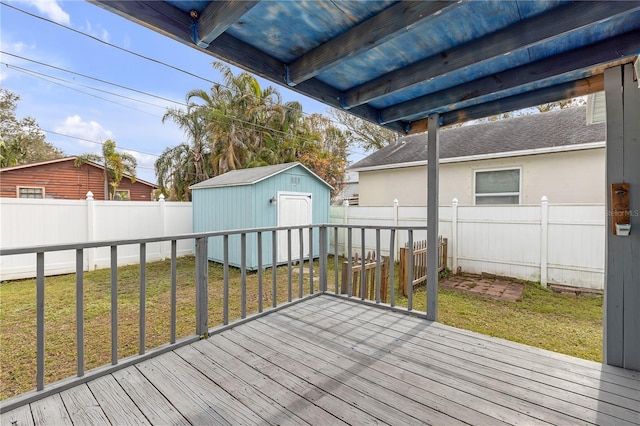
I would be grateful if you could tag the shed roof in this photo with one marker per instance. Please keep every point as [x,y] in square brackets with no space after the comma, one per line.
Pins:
[560,130]
[250,176]
[396,62]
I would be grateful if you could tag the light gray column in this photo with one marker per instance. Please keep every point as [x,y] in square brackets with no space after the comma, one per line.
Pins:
[433,160]
[622,268]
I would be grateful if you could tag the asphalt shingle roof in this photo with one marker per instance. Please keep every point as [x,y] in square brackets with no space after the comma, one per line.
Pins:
[551,129]
[249,176]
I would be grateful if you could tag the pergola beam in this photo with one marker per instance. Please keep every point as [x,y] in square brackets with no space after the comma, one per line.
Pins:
[367,35]
[512,38]
[597,57]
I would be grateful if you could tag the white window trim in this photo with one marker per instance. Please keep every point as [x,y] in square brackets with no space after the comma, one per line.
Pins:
[18,188]
[493,194]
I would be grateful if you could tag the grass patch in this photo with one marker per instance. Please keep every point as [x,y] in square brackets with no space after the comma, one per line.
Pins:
[566,324]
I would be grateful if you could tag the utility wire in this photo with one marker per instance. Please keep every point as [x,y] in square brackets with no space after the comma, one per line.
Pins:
[92,78]
[97,143]
[48,79]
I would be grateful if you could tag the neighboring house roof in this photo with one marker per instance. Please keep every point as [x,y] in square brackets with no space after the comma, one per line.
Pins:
[554,131]
[250,176]
[72,158]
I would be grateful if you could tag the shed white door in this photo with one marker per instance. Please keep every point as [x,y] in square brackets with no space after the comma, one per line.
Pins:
[294,208]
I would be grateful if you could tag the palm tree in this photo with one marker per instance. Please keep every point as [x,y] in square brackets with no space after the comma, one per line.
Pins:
[193,122]
[116,165]
[176,172]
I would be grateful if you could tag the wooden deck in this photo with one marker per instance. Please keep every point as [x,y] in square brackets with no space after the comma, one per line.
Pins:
[332,361]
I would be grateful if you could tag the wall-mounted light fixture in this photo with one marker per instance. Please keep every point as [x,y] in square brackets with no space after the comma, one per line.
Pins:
[273,200]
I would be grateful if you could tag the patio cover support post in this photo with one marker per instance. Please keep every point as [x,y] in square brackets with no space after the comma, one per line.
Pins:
[433,162]
[202,286]
[622,269]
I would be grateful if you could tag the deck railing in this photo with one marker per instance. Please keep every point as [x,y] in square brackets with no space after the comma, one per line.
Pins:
[321,254]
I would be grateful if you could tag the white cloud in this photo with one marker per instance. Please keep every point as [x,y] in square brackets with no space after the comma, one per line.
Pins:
[99,32]
[52,10]
[90,130]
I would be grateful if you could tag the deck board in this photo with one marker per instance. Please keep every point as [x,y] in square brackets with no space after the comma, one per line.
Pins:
[82,407]
[521,374]
[329,360]
[473,369]
[155,407]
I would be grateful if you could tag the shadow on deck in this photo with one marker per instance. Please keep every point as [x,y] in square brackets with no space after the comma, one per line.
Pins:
[329,360]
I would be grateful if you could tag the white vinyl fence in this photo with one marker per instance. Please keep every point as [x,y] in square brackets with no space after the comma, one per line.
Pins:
[27,222]
[550,243]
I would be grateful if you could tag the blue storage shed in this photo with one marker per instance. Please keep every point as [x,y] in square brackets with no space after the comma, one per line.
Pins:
[280,195]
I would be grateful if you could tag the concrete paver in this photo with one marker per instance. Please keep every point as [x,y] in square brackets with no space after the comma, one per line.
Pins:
[493,287]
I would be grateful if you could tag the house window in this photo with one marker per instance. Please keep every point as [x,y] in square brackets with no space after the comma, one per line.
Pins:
[497,186]
[30,192]
[122,195]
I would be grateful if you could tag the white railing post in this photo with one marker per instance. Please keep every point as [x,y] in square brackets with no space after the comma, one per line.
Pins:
[544,233]
[454,235]
[91,236]
[345,204]
[163,220]
[396,204]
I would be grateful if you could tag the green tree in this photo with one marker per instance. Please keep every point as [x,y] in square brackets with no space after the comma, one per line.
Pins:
[21,141]
[116,165]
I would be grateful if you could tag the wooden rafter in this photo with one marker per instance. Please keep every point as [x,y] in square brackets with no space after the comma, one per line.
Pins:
[518,36]
[592,57]
[367,35]
[220,15]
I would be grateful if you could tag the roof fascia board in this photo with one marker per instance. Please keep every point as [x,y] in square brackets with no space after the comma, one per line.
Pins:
[597,57]
[367,35]
[514,37]
[521,153]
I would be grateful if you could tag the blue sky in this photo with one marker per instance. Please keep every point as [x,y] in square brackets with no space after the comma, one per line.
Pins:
[68,104]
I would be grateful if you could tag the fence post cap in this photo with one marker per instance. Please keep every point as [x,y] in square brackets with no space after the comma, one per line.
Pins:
[345,203]
[161,197]
[89,195]
[544,199]
[396,202]
[454,201]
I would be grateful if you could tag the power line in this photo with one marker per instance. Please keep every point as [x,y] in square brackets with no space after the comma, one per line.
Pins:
[92,78]
[97,143]
[108,44]
[48,79]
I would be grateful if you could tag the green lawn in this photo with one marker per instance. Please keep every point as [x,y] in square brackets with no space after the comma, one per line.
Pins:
[570,325]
